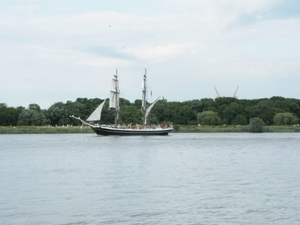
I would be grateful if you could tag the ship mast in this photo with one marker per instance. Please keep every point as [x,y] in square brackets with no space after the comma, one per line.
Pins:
[114,98]
[144,101]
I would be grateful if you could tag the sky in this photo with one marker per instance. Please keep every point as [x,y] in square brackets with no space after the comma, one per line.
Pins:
[59,50]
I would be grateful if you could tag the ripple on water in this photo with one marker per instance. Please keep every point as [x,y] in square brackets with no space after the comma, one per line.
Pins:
[178,179]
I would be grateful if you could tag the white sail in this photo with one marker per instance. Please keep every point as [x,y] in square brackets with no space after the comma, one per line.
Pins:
[149,109]
[146,110]
[114,94]
[96,115]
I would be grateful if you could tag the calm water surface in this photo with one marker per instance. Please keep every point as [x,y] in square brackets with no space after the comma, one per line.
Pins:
[177,179]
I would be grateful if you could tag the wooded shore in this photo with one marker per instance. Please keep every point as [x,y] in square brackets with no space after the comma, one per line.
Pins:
[177,129]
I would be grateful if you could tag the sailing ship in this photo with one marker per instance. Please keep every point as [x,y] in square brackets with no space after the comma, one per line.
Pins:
[114,106]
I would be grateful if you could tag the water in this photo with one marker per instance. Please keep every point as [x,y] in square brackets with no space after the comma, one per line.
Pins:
[175,179]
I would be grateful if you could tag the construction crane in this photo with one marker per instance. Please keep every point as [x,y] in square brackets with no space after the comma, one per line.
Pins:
[219,95]
[234,95]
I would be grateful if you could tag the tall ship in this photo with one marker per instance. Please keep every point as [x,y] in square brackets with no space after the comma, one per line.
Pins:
[116,129]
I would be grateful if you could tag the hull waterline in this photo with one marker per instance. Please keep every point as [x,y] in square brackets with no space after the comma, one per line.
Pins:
[114,131]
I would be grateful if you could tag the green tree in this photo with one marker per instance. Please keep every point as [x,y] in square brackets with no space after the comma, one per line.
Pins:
[230,112]
[264,109]
[208,118]
[159,111]
[152,119]
[107,117]
[172,112]
[195,104]
[240,120]
[225,100]
[76,109]
[130,114]
[256,124]
[187,116]
[3,105]
[124,102]
[35,107]
[7,120]
[208,104]
[31,117]
[179,113]
[58,114]
[138,103]
[9,115]
[285,119]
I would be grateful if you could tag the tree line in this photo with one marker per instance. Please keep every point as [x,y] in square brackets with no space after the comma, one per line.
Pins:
[206,111]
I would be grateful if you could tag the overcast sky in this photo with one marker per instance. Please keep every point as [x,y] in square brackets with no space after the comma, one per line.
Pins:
[58,50]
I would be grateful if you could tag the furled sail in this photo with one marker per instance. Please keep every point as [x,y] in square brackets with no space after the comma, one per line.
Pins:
[144,90]
[114,94]
[96,115]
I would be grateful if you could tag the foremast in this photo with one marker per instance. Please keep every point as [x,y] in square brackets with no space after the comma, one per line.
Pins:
[146,110]
[114,98]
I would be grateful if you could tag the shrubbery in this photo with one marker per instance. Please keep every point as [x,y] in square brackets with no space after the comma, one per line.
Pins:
[285,119]
[256,124]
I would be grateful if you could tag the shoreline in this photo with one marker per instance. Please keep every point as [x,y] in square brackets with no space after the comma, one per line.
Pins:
[177,129]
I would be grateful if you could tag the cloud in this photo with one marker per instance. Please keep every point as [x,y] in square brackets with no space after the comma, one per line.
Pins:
[95,56]
[26,8]
[155,54]
[106,51]
[197,43]
[221,14]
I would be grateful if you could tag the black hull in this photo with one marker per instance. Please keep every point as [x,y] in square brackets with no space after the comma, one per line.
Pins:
[126,132]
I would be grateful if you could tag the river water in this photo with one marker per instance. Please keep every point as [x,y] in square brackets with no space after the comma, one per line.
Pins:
[199,178]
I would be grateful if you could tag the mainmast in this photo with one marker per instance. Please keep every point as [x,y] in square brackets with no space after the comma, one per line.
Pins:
[144,101]
[114,98]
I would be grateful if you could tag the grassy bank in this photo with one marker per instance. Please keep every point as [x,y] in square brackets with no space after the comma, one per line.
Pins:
[44,130]
[177,129]
[231,128]
[209,129]
[282,129]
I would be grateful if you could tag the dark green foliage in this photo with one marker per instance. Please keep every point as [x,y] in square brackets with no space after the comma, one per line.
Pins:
[130,114]
[229,111]
[179,113]
[256,124]
[158,110]
[225,100]
[8,115]
[208,104]
[195,104]
[124,102]
[7,120]
[240,120]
